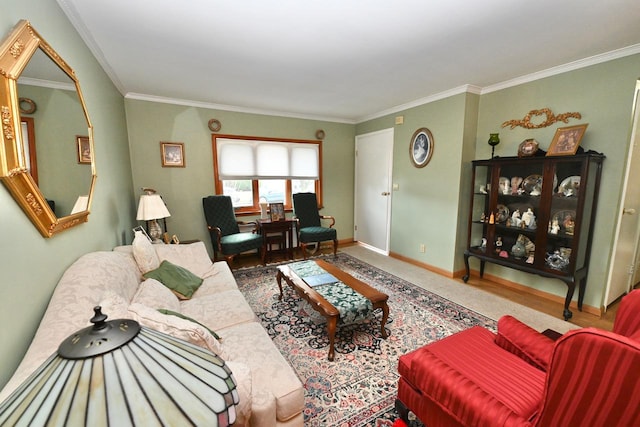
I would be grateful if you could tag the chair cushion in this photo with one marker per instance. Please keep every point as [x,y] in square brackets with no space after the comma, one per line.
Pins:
[218,212]
[241,242]
[317,234]
[305,207]
[454,372]
[524,341]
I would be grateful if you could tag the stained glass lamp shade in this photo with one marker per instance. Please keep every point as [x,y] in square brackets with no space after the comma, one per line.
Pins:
[117,373]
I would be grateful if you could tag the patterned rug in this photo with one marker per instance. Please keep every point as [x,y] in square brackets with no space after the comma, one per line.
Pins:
[359,387]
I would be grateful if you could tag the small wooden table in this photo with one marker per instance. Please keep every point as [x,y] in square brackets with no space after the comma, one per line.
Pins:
[326,309]
[279,233]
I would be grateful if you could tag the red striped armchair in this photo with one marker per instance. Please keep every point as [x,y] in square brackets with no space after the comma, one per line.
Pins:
[520,377]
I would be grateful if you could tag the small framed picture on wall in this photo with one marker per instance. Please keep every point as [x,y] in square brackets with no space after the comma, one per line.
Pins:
[172,154]
[84,149]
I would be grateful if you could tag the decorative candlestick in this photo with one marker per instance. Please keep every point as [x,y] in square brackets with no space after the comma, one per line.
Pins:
[494,140]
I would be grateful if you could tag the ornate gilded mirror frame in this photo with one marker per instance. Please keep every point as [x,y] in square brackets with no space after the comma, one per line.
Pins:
[15,52]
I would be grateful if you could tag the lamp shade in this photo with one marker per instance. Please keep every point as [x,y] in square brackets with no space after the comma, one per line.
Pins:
[118,373]
[151,207]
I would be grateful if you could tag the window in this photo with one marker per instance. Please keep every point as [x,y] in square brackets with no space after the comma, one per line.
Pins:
[252,170]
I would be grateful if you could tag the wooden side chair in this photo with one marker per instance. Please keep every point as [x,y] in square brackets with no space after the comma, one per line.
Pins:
[309,227]
[224,230]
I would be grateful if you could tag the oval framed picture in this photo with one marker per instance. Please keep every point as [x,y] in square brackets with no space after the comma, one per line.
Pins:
[421,147]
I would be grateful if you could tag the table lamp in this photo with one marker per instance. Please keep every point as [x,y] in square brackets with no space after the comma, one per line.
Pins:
[117,373]
[152,208]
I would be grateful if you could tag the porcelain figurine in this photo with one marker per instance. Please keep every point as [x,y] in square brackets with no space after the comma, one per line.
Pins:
[515,184]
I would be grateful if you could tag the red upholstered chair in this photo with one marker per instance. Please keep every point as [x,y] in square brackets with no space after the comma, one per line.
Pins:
[519,377]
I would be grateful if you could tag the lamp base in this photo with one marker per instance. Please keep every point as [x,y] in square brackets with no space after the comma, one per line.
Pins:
[154,229]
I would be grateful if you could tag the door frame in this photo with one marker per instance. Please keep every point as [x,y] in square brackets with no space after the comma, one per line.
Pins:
[633,268]
[356,208]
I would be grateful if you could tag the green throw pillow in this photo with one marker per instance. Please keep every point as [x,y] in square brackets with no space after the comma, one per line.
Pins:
[180,280]
[182,316]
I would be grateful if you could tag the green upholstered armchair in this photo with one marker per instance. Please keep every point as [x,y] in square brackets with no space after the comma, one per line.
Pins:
[310,230]
[226,238]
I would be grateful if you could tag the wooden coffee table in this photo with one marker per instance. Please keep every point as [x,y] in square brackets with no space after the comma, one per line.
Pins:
[326,309]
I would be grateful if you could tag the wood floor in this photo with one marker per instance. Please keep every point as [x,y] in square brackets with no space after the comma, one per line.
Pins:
[535,302]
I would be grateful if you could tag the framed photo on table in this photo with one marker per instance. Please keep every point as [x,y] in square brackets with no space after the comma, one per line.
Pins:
[566,140]
[172,154]
[276,211]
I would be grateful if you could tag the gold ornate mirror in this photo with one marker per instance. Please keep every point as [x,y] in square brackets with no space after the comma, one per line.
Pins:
[43,112]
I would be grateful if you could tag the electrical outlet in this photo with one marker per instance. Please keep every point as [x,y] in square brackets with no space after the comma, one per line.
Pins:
[422,248]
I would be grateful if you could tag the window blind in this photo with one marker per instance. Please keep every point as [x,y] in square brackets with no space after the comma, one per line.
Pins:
[255,159]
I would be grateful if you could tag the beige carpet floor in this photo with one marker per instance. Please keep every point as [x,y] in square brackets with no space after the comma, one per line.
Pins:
[475,299]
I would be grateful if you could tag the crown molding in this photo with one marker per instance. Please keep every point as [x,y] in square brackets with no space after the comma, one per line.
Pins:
[571,66]
[234,108]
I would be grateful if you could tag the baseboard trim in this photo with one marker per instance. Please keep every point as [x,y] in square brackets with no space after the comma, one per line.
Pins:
[537,292]
[503,282]
[426,266]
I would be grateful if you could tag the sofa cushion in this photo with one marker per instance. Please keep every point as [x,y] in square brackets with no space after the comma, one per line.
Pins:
[193,256]
[180,280]
[176,327]
[454,368]
[220,310]
[114,306]
[156,295]
[182,316]
[144,253]
[250,344]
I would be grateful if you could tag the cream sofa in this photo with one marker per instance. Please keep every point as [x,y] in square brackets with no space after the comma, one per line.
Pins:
[270,392]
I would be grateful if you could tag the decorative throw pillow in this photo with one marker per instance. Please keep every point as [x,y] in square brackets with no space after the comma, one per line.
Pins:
[176,327]
[180,280]
[182,316]
[144,253]
[156,295]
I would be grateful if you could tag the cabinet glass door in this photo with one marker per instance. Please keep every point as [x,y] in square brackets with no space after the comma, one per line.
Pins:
[519,187]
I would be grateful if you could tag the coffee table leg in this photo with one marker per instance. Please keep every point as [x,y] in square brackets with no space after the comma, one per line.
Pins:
[279,280]
[331,331]
[385,316]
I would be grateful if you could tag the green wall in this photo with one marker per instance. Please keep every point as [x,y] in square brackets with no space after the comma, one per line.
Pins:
[182,189]
[431,205]
[429,208]
[30,264]
[603,95]
[425,206]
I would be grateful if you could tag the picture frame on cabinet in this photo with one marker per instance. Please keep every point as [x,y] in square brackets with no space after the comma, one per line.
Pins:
[421,147]
[172,154]
[566,140]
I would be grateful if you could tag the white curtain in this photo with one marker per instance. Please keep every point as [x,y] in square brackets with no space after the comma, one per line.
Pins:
[255,159]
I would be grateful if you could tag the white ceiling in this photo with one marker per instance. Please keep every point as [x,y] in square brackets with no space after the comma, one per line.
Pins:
[343,60]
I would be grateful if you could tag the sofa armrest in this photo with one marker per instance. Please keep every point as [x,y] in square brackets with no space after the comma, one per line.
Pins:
[524,341]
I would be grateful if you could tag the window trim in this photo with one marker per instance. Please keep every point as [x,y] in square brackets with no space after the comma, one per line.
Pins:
[255,209]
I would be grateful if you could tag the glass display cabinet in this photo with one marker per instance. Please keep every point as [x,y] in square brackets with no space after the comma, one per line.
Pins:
[535,214]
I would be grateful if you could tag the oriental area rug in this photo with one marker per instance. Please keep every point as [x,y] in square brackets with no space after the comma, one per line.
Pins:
[359,387]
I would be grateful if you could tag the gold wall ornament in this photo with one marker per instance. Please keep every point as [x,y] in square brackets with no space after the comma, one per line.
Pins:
[27,106]
[547,113]
[214,125]
[7,129]
[24,53]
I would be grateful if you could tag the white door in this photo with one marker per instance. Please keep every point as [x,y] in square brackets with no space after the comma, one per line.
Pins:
[374,167]
[624,268]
